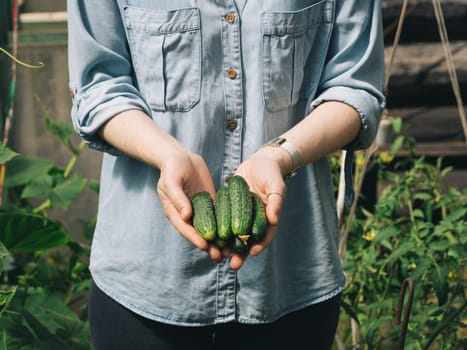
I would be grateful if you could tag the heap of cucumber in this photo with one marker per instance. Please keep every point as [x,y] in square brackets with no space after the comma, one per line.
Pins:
[236,218]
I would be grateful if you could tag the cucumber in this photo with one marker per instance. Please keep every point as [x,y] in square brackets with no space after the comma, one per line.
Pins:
[259,224]
[221,243]
[223,213]
[240,246]
[241,205]
[204,218]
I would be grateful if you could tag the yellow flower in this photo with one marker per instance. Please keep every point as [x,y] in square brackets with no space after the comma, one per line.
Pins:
[369,236]
[452,275]
[359,161]
[412,266]
[51,261]
[385,157]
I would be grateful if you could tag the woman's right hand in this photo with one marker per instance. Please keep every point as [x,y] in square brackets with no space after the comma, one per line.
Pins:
[182,175]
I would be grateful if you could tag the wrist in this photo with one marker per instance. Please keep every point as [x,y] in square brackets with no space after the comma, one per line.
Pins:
[174,153]
[287,154]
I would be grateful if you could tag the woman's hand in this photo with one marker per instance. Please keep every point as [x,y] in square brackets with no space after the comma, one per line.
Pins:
[182,175]
[264,172]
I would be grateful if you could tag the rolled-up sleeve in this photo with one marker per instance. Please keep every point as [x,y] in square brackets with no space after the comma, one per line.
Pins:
[100,72]
[354,69]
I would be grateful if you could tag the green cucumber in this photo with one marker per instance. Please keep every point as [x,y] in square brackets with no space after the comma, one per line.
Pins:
[204,218]
[223,213]
[259,224]
[240,246]
[241,204]
[221,243]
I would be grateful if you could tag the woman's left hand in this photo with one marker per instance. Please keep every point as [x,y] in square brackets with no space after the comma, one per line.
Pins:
[264,172]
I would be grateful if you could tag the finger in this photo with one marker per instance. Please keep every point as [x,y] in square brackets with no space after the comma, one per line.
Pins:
[273,206]
[257,248]
[182,204]
[237,260]
[183,227]
[214,253]
[226,252]
[173,196]
[189,233]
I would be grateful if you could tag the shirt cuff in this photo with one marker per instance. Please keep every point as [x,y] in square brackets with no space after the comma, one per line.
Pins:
[88,122]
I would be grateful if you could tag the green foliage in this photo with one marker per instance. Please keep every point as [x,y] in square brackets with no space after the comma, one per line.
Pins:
[44,272]
[27,232]
[6,154]
[418,230]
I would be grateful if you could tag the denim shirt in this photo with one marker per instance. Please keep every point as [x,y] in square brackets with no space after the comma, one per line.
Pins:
[223,77]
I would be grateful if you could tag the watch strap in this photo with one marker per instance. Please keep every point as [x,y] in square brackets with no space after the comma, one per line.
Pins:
[291,149]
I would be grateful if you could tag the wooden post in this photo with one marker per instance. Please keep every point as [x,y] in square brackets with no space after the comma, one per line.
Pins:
[5,26]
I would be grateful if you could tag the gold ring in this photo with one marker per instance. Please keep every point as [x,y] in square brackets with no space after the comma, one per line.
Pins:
[278,193]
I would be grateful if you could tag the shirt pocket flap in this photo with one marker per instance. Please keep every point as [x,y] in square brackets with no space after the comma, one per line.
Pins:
[162,22]
[296,22]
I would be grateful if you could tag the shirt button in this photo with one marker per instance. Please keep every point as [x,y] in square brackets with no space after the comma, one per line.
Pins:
[232,124]
[230,18]
[231,73]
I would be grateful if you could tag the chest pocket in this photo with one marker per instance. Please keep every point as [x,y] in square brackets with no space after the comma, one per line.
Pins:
[289,41]
[165,48]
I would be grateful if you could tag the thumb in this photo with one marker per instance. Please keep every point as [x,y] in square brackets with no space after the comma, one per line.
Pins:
[174,198]
[274,203]
[183,205]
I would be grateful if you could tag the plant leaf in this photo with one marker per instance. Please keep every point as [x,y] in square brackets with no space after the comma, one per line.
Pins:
[456,215]
[396,125]
[94,186]
[387,233]
[23,170]
[440,284]
[63,130]
[38,188]
[397,144]
[349,310]
[27,232]
[402,250]
[5,298]
[6,153]
[3,251]
[423,196]
[423,266]
[66,192]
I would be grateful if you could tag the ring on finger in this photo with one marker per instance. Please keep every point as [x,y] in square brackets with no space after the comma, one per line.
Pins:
[278,193]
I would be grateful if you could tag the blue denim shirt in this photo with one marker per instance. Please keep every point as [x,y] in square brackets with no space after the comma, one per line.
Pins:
[223,77]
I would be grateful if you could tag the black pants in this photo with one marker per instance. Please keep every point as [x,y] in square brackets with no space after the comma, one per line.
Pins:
[113,327]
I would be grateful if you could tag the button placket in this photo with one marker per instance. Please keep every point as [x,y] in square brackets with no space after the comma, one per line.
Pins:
[233,94]
[233,89]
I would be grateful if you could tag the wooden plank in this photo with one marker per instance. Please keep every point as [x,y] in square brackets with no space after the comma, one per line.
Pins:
[43,17]
[430,123]
[434,149]
[420,23]
[419,75]
[43,5]
[425,63]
